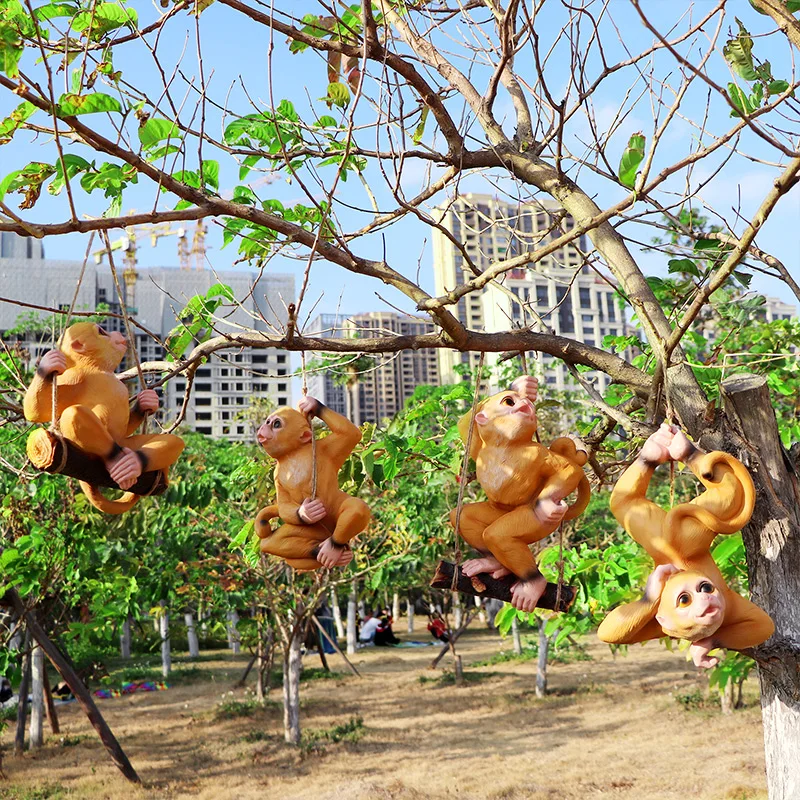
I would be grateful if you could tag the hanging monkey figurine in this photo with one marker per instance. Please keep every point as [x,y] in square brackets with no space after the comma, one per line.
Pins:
[685,596]
[316,531]
[93,410]
[526,485]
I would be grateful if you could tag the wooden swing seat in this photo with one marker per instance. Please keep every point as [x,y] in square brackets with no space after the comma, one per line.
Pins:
[484,585]
[51,453]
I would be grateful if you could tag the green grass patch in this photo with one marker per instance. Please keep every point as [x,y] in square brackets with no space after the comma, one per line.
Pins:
[531,653]
[51,791]
[697,700]
[314,740]
[233,708]
[448,678]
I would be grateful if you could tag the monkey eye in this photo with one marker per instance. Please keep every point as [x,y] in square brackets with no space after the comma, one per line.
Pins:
[684,599]
[707,587]
[507,401]
[276,423]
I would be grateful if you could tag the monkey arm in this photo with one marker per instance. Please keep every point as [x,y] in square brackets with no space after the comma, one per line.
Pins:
[288,510]
[343,439]
[631,623]
[135,418]
[749,625]
[37,404]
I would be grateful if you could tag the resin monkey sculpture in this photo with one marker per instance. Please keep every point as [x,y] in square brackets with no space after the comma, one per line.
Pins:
[315,532]
[526,485]
[94,411]
[685,596]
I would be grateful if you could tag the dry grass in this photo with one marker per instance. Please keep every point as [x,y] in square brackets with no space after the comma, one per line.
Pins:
[610,729]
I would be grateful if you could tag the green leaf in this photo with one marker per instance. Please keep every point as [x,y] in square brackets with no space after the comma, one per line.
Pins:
[211,174]
[326,121]
[11,123]
[157,130]
[74,165]
[631,158]
[105,18]
[338,95]
[10,49]
[54,10]
[684,265]
[738,53]
[792,6]
[419,131]
[72,105]
[740,101]
[778,87]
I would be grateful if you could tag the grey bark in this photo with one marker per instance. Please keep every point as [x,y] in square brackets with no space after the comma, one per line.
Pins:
[410,613]
[541,664]
[772,542]
[125,638]
[351,618]
[22,705]
[396,606]
[456,609]
[481,612]
[38,677]
[726,698]
[337,613]
[516,637]
[191,635]
[166,654]
[292,666]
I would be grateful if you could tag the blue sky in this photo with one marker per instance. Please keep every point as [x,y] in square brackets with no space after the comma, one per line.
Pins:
[235,50]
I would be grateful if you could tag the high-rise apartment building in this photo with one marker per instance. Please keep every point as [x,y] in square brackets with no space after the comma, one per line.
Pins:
[382,382]
[774,308]
[225,386]
[559,293]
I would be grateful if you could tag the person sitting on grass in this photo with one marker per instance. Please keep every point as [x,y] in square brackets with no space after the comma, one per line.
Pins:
[369,628]
[384,635]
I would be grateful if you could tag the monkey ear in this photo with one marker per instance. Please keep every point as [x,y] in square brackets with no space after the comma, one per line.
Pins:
[305,437]
[481,418]
[661,619]
[78,345]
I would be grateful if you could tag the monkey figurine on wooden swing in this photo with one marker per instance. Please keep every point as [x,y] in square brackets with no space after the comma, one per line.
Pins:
[317,528]
[686,596]
[93,414]
[526,485]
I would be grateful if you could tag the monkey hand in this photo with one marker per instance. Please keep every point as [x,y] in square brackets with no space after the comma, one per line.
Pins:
[525,594]
[681,449]
[331,554]
[657,579]
[549,511]
[147,401]
[124,468]
[53,361]
[488,565]
[656,448]
[311,511]
[527,387]
[309,406]
[699,652]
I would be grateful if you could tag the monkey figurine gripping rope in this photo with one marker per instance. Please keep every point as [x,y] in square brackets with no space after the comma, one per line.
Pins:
[317,529]
[686,596]
[526,485]
[93,412]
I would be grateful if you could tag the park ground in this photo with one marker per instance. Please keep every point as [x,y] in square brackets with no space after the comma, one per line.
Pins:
[634,726]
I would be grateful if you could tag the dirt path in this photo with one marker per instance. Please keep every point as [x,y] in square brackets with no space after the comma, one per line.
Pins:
[610,728]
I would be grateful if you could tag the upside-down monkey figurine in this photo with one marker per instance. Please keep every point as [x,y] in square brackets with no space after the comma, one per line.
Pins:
[526,485]
[93,409]
[685,596]
[316,531]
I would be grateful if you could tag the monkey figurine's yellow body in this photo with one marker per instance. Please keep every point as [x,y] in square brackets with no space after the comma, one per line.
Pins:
[686,596]
[316,530]
[526,485]
[94,412]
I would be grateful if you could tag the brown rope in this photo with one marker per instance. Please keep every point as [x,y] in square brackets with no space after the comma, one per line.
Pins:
[524,363]
[311,425]
[560,583]
[54,418]
[464,469]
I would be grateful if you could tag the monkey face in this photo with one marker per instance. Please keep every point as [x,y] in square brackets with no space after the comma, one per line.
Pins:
[90,344]
[507,416]
[283,432]
[691,606]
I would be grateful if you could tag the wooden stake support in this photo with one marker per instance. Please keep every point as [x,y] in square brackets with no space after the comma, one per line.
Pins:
[56,455]
[484,585]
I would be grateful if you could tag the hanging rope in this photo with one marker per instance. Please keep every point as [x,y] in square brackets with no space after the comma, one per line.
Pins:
[127,323]
[524,363]
[560,583]
[462,485]
[54,418]
[311,425]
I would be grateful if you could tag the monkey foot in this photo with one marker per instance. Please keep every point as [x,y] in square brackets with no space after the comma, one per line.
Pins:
[488,564]
[124,468]
[525,594]
[332,555]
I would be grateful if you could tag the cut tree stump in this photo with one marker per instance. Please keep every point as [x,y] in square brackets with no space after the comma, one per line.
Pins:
[484,585]
[58,456]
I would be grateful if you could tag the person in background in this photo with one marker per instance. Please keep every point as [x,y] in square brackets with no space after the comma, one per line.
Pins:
[384,635]
[369,628]
[438,629]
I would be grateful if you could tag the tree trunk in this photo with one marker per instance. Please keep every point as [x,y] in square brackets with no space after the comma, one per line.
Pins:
[125,638]
[191,635]
[234,640]
[772,542]
[456,599]
[410,613]
[337,613]
[166,655]
[351,618]
[481,612]
[726,697]
[38,677]
[541,664]
[22,705]
[396,606]
[292,666]
[515,637]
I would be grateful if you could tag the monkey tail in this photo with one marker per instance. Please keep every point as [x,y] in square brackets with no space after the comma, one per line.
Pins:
[98,500]
[584,493]
[566,447]
[263,519]
[706,517]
